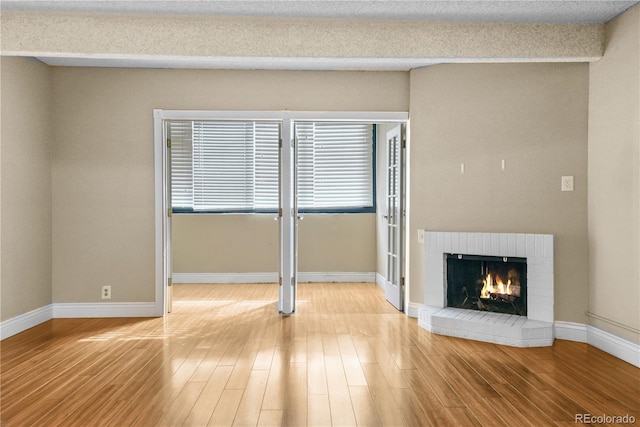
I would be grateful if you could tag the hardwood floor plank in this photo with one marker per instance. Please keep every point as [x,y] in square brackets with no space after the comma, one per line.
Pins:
[390,369]
[473,379]
[535,396]
[178,410]
[350,361]
[132,395]
[251,403]
[413,410]
[299,349]
[464,417]
[339,398]
[439,381]
[204,406]
[346,357]
[487,414]
[277,380]
[319,410]
[317,373]
[226,408]
[505,411]
[382,396]
[270,418]
[244,366]
[47,370]
[517,403]
[363,406]
[265,355]
[295,400]
[73,380]
[427,399]
[76,410]
[363,349]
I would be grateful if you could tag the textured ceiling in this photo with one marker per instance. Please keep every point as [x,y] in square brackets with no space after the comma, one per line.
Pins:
[520,11]
[537,11]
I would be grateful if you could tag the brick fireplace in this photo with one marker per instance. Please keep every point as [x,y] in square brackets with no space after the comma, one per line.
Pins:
[479,317]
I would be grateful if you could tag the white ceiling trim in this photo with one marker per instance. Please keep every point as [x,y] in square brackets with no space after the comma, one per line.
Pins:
[266,63]
[236,62]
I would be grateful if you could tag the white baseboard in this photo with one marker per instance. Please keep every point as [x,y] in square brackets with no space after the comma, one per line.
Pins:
[33,318]
[614,345]
[225,277]
[380,280]
[25,321]
[271,277]
[571,331]
[413,309]
[338,277]
[107,309]
[605,341]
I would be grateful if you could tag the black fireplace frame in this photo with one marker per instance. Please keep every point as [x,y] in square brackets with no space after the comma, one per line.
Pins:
[471,299]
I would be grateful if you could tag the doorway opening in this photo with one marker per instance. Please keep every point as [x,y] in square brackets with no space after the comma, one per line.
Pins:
[254,162]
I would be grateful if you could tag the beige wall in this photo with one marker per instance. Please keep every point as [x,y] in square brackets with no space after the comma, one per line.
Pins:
[614,180]
[249,243]
[92,173]
[25,227]
[225,243]
[103,207]
[337,243]
[534,116]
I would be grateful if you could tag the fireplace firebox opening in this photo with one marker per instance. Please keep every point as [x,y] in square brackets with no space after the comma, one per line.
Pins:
[487,283]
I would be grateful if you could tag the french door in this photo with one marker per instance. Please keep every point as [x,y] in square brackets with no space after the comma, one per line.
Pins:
[394,283]
[168,248]
[287,216]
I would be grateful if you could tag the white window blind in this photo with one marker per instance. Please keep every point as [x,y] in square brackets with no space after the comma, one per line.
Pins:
[181,164]
[306,164]
[267,136]
[222,165]
[233,165]
[335,171]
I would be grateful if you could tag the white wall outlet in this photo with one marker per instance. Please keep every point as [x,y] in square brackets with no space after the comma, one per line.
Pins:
[567,183]
[106,292]
[420,236]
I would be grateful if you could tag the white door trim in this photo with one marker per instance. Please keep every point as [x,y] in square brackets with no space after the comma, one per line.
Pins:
[160,184]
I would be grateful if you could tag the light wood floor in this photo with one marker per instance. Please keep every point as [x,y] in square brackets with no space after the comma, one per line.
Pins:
[224,357]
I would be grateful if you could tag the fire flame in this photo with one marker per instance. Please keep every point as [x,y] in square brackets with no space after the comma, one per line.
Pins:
[497,286]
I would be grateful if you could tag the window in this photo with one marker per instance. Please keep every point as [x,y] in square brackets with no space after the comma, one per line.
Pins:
[335,166]
[232,166]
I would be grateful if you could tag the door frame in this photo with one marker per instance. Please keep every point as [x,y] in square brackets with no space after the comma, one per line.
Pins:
[161,174]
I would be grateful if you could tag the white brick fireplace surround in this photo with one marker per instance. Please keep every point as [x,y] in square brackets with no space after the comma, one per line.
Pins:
[533,330]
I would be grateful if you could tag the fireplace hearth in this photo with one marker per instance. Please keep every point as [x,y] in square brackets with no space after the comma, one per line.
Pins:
[487,283]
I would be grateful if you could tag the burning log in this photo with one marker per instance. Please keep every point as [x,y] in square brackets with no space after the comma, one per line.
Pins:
[503,297]
[494,287]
